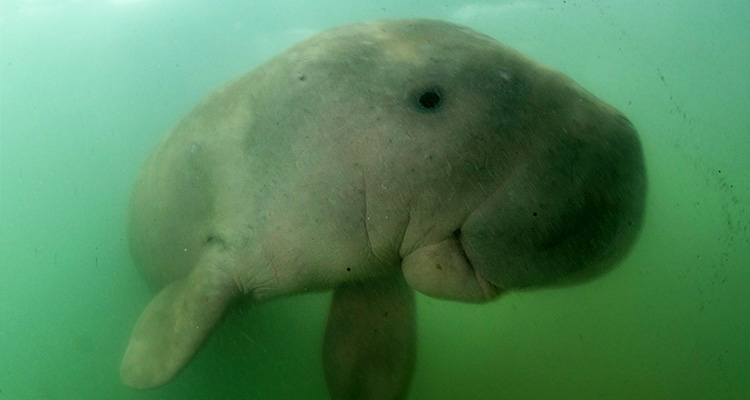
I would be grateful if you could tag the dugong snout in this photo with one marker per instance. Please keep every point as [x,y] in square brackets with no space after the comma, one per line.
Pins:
[572,210]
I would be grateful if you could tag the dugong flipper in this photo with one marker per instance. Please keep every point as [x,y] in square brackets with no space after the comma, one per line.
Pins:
[370,343]
[177,321]
[374,159]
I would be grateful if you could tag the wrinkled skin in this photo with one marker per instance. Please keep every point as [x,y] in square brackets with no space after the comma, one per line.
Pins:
[374,159]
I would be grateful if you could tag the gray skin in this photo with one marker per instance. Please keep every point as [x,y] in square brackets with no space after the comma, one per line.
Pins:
[374,159]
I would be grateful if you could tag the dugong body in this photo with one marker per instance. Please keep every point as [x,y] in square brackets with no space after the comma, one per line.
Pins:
[372,159]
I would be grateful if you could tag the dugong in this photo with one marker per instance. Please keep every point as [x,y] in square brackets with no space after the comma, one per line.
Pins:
[376,159]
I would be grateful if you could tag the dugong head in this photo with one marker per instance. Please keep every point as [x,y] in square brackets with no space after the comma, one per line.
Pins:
[512,174]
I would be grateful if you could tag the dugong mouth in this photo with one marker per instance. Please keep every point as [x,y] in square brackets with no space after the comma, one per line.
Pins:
[488,288]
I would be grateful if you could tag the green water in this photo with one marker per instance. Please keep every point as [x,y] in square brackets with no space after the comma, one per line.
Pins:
[88,87]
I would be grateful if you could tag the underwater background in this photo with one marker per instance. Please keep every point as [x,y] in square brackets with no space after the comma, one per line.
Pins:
[88,87]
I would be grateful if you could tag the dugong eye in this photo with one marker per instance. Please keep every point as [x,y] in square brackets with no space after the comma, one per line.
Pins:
[428,100]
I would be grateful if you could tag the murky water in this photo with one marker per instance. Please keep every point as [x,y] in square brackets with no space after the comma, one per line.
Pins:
[88,87]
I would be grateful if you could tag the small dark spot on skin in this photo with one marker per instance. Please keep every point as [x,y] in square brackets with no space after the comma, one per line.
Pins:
[348,269]
[438,266]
